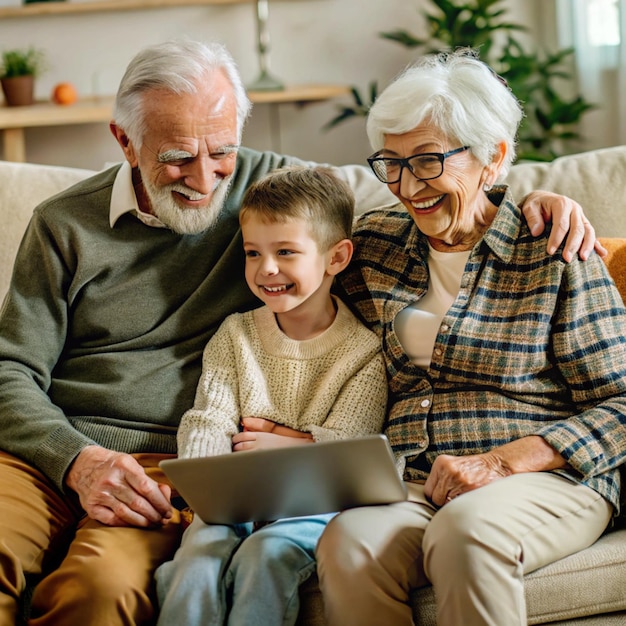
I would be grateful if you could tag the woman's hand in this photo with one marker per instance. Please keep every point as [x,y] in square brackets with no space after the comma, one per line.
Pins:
[450,476]
[568,219]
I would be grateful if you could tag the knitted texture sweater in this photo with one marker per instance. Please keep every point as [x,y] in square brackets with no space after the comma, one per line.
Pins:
[102,331]
[333,386]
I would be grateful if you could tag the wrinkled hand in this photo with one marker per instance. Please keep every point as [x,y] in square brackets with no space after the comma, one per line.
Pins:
[541,207]
[450,476]
[114,489]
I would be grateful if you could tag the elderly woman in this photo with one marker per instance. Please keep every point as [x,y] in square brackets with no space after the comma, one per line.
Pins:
[506,366]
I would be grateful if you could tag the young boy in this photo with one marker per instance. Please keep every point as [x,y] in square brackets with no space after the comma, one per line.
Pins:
[300,369]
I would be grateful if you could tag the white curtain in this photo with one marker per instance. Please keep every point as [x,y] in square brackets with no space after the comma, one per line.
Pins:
[597,31]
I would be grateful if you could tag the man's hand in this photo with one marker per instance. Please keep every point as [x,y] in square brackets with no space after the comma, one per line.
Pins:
[259,433]
[114,489]
[541,207]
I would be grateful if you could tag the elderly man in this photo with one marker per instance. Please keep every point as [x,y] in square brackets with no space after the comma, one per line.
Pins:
[119,283]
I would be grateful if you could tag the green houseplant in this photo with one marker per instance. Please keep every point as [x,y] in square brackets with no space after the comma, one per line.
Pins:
[550,121]
[18,70]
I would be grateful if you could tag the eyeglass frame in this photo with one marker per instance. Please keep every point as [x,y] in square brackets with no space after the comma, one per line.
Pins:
[404,163]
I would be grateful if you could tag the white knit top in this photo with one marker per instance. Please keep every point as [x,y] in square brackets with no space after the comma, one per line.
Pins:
[333,386]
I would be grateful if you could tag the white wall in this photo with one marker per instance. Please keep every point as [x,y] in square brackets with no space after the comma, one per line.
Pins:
[325,41]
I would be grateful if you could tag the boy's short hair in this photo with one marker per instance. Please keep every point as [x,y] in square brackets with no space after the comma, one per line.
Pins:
[313,194]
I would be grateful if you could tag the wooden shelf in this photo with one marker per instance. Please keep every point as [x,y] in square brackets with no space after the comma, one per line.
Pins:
[97,6]
[89,110]
[48,114]
[300,94]
[13,120]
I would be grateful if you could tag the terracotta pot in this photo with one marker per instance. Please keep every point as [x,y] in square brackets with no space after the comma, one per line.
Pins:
[18,90]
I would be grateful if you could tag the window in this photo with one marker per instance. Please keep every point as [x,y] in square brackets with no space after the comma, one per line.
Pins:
[603,22]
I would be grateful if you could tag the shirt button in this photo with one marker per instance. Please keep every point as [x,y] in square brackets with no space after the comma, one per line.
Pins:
[445,328]
[425,403]
[438,351]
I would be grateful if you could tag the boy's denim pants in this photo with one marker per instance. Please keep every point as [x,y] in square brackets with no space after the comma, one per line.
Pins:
[231,575]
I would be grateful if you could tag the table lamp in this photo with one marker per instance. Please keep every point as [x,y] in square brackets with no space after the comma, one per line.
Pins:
[265,81]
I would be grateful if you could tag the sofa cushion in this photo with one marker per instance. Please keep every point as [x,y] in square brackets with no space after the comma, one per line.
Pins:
[590,582]
[616,261]
[596,179]
[587,583]
[23,186]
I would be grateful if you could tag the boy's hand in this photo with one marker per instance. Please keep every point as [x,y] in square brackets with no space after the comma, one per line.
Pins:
[250,440]
[261,425]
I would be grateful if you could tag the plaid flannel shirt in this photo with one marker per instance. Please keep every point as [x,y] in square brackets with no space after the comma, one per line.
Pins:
[531,346]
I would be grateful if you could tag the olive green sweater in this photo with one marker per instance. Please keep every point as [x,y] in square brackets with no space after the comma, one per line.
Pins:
[102,331]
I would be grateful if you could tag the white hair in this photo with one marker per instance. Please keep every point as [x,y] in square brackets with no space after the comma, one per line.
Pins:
[179,67]
[458,94]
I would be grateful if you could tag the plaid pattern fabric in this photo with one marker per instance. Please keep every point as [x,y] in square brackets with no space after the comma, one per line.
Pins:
[532,345]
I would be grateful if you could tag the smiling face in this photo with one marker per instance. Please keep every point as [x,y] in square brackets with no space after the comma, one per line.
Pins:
[284,266]
[188,153]
[452,210]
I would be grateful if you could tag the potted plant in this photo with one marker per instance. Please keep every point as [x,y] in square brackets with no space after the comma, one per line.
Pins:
[18,70]
[550,120]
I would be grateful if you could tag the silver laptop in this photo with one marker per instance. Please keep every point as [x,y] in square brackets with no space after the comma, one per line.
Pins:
[261,485]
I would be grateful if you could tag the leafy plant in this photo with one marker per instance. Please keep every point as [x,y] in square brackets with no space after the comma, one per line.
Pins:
[360,107]
[473,24]
[550,120]
[28,62]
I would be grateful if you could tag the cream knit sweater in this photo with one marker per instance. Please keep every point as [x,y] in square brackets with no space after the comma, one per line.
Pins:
[333,386]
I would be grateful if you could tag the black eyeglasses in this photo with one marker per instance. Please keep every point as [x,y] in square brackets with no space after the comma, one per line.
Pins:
[425,166]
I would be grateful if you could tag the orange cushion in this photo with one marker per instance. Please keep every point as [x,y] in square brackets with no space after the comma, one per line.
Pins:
[616,261]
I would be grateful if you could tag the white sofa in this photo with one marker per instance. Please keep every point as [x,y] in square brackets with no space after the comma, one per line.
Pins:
[585,589]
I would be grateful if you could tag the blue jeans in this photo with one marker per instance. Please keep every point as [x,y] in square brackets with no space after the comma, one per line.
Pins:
[230,575]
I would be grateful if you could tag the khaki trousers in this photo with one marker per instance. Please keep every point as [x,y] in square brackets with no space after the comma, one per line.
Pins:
[475,551]
[91,574]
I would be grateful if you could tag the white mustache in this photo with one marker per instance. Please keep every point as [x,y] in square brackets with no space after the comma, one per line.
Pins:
[190,193]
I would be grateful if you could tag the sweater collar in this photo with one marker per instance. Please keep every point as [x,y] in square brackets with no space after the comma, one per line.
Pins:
[276,343]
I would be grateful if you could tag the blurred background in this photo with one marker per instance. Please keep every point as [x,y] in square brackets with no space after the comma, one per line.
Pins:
[332,42]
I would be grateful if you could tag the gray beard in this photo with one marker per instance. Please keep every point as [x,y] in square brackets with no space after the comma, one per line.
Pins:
[185,221]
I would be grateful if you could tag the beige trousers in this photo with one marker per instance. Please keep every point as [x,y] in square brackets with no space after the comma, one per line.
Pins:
[475,551]
[91,574]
